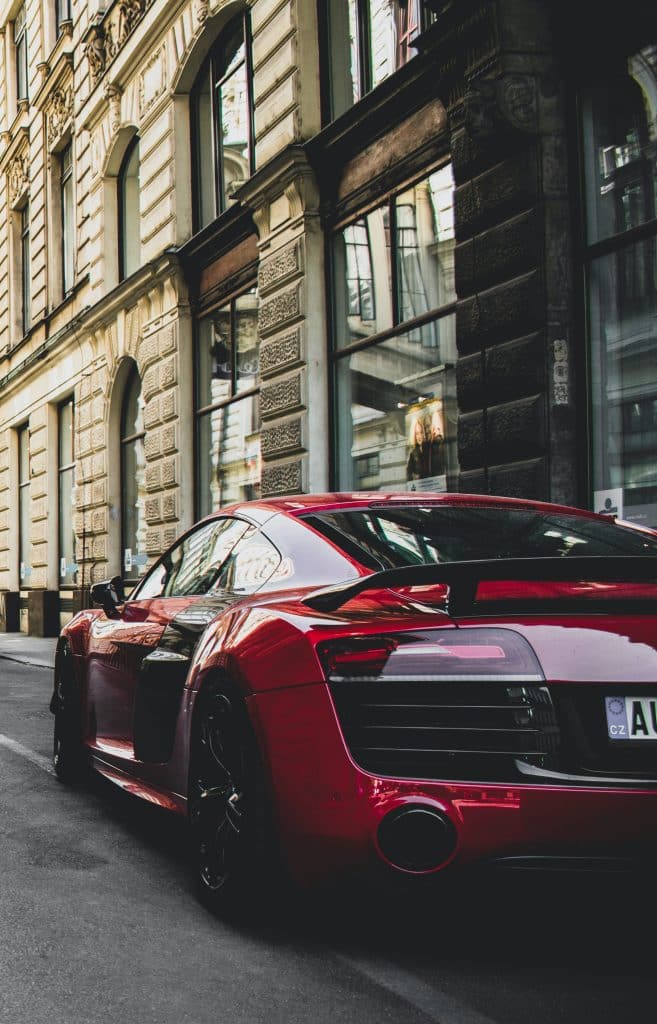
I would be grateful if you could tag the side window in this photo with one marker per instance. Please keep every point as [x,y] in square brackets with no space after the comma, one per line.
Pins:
[193,565]
[251,563]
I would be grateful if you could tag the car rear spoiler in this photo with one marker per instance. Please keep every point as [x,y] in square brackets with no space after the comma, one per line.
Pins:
[463,578]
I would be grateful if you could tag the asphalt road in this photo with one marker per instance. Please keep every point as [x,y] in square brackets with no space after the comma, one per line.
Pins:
[98,924]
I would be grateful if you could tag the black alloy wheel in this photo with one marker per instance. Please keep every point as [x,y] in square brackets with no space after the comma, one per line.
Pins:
[227,806]
[68,756]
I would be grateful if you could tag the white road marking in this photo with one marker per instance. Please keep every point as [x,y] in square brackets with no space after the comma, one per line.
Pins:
[430,1001]
[29,755]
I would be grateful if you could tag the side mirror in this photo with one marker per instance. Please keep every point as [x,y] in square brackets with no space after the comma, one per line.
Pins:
[109,594]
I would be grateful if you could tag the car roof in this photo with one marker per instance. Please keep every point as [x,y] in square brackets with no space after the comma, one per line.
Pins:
[301,504]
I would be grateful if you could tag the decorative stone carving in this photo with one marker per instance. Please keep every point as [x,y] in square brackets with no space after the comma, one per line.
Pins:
[59,113]
[113,94]
[94,51]
[282,438]
[489,105]
[18,178]
[518,101]
[282,479]
[280,397]
[201,10]
[280,353]
[279,309]
[280,267]
[105,39]
[130,12]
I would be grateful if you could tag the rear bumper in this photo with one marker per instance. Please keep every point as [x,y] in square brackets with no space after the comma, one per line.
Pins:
[330,812]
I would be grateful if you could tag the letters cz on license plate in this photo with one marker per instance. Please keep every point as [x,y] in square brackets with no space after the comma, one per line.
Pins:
[631,718]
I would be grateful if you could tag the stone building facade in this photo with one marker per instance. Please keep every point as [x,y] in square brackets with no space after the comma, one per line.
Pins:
[263,247]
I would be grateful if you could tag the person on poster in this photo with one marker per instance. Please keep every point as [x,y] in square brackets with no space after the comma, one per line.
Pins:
[417,464]
[437,460]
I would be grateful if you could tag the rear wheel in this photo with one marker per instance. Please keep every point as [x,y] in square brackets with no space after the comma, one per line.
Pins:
[228,808]
[68,756]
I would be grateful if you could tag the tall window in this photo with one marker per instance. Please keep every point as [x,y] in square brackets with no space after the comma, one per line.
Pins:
[368,41]
[227,404]
[26,295]
[128,186]
[67,211]
[66,481]
[394,343]
[63,11]
[24,567]
[619,120]
[222,120]
[133,484]
[20,45]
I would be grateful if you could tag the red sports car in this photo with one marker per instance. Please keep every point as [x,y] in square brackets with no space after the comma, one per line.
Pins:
[403,683]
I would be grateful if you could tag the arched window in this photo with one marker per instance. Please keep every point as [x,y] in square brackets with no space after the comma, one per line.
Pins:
[133,484]
[222,122]
[128,207]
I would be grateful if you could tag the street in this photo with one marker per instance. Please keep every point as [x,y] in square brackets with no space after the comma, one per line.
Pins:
[98,923]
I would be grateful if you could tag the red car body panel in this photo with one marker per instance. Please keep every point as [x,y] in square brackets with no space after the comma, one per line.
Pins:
[327,808]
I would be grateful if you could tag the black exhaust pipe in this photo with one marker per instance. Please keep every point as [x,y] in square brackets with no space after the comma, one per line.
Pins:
[416,838]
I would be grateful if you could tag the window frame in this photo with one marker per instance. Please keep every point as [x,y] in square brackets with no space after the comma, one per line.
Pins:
[24,498]
[67,218]
[26,289]
[21,54]
[338,353]
[63,15]
[591,251]
[128,441]
[235,396]
[125,212]
[363,50]
[65,515]
[209,71]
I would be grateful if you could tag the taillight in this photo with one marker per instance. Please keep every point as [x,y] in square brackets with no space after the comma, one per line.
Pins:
[356,658]
[476,654]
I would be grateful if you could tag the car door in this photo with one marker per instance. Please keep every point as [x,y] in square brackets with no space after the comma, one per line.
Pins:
[149,641]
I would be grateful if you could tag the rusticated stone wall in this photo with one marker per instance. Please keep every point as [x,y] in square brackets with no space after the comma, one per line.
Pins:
[513,267]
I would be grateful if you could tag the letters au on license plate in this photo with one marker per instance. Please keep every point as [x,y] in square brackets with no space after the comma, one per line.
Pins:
[631,718]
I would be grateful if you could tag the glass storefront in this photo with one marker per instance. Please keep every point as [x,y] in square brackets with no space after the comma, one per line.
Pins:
[395,347]
[227,404]
[620,151]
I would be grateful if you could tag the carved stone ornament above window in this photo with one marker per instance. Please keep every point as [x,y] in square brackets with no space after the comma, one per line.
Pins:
[59,113]
[107,36]
[201,8]
[113,93]
[18,179]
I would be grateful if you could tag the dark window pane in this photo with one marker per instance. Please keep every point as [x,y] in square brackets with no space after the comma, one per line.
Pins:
[229,454]
[26,295]
[408,536]
[68,219]
[221,120]
[623,318]
[397,399]
[129,212]
[620,136]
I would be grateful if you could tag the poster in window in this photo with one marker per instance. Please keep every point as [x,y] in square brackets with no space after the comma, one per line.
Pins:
[426,463]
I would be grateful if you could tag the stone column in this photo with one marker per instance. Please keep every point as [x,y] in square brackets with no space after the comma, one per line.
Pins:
[513,256]
[292,326]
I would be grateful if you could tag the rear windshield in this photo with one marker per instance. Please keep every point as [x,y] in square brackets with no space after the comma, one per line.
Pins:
[385,538]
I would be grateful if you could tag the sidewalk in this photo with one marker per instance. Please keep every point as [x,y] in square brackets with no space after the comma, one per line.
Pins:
[31,650]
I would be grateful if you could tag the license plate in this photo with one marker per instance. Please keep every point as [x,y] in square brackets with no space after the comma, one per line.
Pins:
[631,718]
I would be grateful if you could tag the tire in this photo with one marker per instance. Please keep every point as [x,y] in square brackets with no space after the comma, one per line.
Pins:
[228,810]
[68,755]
